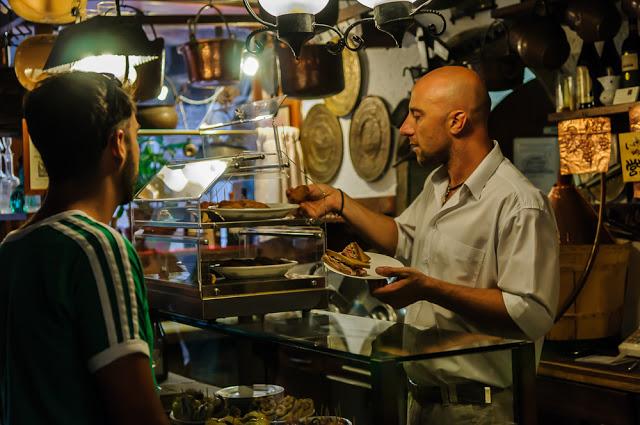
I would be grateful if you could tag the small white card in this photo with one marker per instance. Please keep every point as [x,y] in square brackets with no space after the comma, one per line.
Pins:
[626,95]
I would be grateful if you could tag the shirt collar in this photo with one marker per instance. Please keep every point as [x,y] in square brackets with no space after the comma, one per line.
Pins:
[480,176]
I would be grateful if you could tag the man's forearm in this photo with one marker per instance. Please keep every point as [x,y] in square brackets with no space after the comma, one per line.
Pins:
[484,306]
[379,229]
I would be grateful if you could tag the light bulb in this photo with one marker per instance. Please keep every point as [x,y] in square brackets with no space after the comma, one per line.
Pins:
[164,91]
[284,7]
[374,3]
[112,64]
[250,65]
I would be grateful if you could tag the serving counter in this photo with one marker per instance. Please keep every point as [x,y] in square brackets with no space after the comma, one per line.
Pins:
[365,353]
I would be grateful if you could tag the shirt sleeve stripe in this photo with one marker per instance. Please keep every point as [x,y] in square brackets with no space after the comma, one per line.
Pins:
[105,302]
[115,352]
[129,276]
[116,277]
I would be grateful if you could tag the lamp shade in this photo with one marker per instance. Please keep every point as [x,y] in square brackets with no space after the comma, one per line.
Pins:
[374,3]
[101,37]
[285,7]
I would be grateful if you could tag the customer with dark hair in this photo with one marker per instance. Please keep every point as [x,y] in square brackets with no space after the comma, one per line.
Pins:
[74,322]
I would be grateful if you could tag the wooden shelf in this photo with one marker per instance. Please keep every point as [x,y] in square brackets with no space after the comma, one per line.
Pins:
[599,111]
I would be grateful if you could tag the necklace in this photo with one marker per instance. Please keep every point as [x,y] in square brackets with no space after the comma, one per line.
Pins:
[450,189]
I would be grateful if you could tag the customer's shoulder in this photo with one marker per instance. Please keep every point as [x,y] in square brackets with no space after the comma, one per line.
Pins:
[515,189]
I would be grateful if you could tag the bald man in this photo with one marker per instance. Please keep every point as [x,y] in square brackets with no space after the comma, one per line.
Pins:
[482,246]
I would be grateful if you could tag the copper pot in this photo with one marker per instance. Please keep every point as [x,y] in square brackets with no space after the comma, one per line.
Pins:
[593,20]
[212,62]
[157,116]
[487,52]
[540,42]
[317,73]
[48,11]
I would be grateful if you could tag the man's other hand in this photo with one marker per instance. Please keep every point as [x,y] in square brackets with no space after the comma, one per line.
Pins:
[407,289]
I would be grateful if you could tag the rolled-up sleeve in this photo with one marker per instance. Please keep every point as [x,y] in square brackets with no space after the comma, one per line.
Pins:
[406,224]
[528,269]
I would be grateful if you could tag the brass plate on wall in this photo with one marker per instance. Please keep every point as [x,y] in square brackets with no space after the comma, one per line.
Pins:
[321,138]
[370,139]
[343,103]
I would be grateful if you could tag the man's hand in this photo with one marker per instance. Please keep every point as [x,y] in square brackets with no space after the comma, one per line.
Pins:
[408,289]
[318,201]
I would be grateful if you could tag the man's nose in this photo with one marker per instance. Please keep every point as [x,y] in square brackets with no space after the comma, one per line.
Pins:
[406,129]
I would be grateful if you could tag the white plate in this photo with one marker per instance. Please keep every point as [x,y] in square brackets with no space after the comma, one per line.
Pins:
[253,272]
[250,392]
[274,211]
[377,260]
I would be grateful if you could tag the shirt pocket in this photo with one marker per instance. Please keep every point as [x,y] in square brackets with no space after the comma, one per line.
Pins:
[454,261]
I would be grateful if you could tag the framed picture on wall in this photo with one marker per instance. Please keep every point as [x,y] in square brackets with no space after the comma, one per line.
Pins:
[36,179]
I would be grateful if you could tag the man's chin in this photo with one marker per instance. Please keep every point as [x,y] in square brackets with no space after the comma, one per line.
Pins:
[429,161]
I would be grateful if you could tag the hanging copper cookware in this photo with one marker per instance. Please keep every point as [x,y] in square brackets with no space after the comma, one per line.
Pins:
[49,11]
[593,20]
[317,72]
[486,51]
[212,62]
[540,42]
[30,58]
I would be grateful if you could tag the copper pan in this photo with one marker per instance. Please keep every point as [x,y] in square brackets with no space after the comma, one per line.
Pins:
[157,116]
[31,56]
[540,42]
[49,11]
[212,62]
[317,73]
[593,20]
[487,52]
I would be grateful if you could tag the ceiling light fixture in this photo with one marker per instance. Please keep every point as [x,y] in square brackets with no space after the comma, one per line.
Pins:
[295,22]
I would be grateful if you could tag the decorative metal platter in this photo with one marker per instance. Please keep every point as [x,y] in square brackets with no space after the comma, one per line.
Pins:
[343,103]
[321,139]
[370,139]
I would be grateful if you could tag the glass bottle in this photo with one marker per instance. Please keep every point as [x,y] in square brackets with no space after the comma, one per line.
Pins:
[586,74]
[629,59]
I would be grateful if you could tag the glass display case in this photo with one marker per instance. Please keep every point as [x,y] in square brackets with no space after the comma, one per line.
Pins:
[356,367]
[216,236]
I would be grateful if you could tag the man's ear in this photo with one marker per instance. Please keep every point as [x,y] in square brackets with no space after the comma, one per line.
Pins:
[118,145]
[457,121]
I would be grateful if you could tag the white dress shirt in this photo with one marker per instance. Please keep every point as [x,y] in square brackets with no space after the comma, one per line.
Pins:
[496,231]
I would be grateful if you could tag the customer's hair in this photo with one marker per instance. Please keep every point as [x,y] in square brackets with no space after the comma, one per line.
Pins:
[70,118]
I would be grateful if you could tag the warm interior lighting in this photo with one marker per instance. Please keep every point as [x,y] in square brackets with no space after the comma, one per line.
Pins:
[295,22]
[111,64]
[249,65]
[284,7]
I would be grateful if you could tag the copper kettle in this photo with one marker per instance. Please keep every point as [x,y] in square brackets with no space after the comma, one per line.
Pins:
[212,62]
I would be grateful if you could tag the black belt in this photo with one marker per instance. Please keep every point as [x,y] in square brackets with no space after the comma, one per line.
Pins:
[468,393]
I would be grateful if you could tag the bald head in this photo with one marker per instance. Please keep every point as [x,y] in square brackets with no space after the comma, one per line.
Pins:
[453,88]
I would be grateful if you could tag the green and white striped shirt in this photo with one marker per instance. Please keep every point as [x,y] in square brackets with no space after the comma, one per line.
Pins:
[72,300]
